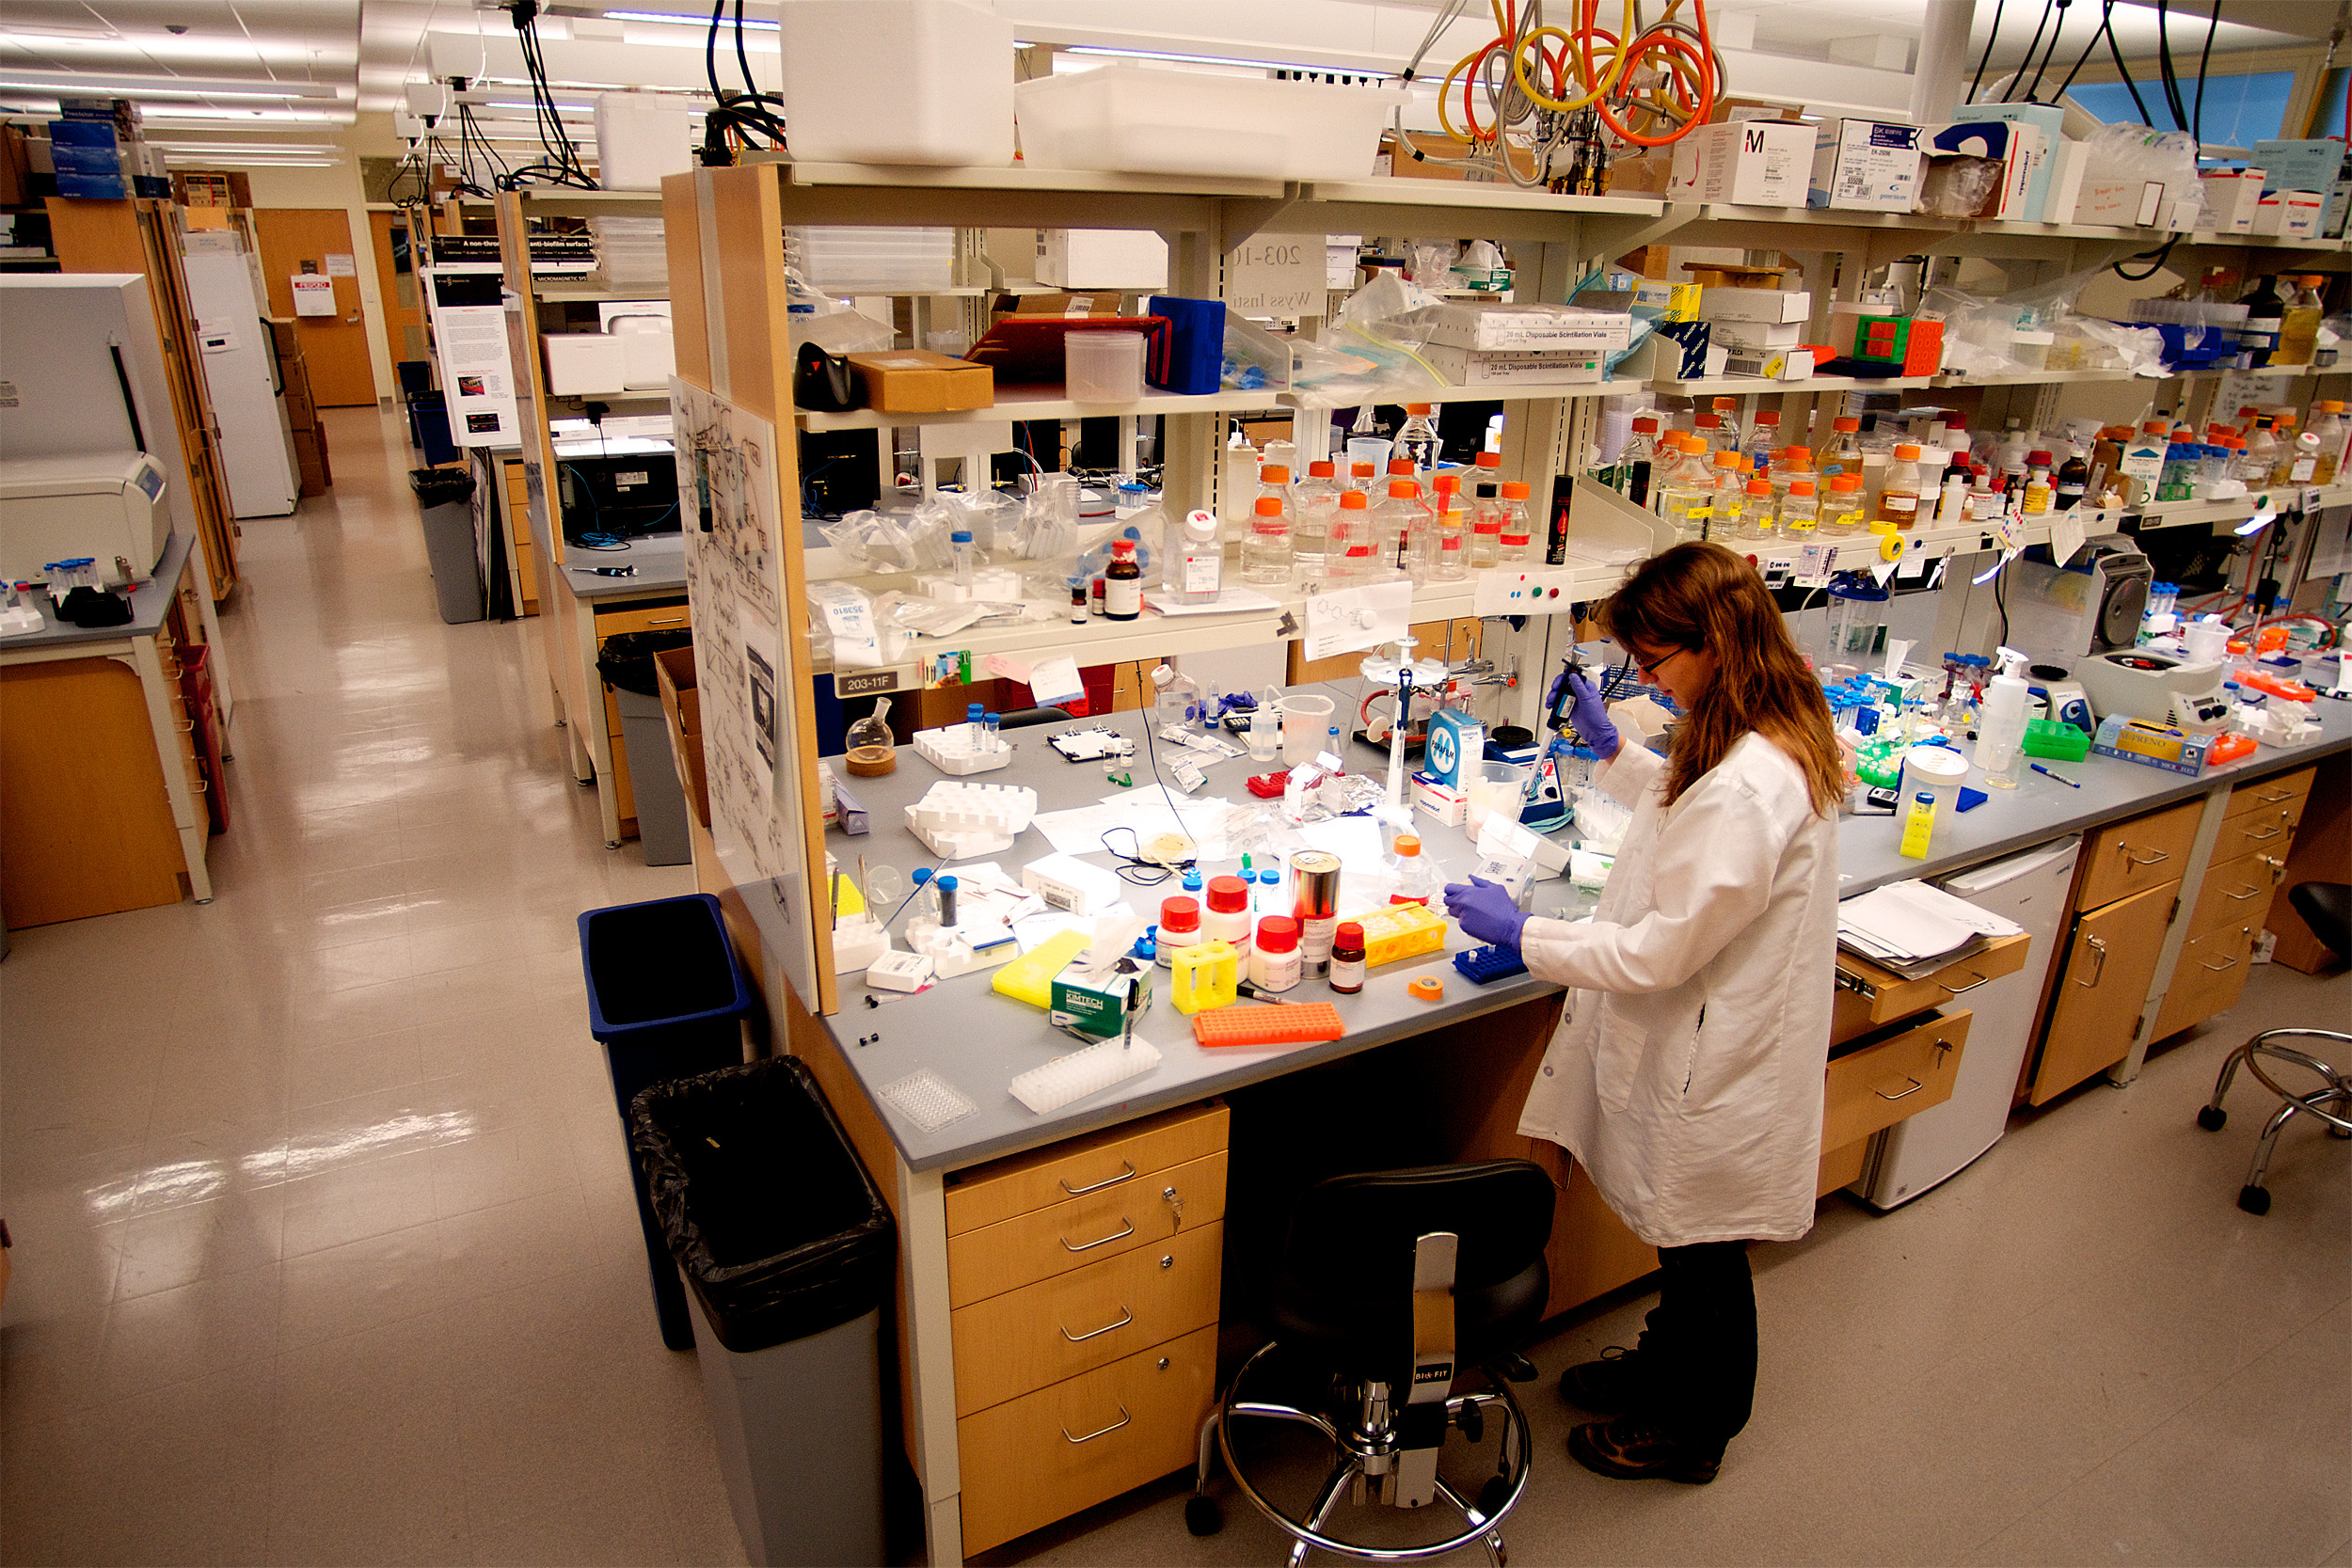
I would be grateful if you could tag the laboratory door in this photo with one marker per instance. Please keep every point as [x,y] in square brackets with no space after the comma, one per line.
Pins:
[334,344]
[398,285]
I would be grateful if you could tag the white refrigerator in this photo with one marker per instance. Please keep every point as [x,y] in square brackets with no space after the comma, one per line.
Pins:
[240,370]
[1914,1155]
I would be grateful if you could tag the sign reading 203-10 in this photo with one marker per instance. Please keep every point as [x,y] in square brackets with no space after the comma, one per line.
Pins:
[1276,275]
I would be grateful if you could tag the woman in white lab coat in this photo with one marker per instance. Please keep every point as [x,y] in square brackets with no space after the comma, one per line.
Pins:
[1686,1075]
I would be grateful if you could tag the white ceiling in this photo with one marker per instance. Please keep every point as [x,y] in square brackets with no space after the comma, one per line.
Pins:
[363,49]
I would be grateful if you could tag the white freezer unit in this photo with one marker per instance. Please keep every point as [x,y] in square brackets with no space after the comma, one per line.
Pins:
[256,447]
[1916,1153]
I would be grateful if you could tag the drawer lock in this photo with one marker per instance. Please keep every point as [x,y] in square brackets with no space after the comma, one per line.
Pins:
[1175,1206]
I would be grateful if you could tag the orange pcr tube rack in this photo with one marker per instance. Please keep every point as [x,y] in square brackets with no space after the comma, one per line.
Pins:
[1277,1023]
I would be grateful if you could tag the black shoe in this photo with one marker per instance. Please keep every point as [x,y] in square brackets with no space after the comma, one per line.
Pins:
[1628,1449]
[1609,1386]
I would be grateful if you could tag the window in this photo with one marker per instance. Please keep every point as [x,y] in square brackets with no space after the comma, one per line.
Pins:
[2239,111]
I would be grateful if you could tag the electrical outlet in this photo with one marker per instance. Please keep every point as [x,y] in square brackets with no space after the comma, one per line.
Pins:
[1525,590]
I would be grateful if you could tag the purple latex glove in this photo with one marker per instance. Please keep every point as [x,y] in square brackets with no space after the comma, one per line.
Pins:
[1590,716]
[1486,911]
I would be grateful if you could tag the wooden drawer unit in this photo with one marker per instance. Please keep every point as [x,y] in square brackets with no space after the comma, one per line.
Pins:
[1043,1457]
[655,617]
[1027,1339]
[1077,1167]
[2131,857]
[2286,790]
[2237,891]
[1869,997]
[2095,1006]
[2264,831]
[1880,1083]
[2208,978]
[1148,1211]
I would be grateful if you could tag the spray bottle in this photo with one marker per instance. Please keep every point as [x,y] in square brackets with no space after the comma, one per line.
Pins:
[2001,721]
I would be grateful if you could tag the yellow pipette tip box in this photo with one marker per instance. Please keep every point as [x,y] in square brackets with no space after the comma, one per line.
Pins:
[1401,931]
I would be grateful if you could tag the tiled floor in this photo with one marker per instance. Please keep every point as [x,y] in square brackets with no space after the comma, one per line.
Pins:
[325,1252]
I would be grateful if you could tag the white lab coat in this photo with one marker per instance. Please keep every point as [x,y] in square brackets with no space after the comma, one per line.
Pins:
[1686,1077]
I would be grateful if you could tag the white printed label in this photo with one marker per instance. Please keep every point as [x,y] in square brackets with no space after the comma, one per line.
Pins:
[1202,573]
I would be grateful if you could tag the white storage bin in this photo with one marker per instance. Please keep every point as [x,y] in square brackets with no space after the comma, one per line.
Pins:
[1129,119]
[584,362]
[896,82]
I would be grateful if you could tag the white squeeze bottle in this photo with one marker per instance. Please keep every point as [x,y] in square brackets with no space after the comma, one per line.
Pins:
[2001,723]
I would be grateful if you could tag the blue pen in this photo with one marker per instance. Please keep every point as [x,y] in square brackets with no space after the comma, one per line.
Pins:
[2060,777]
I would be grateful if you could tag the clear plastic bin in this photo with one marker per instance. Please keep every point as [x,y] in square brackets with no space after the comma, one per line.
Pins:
[1130,119]
[1103,367]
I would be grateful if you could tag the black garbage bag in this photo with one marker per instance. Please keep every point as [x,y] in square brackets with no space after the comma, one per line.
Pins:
[625,659]
[775,1221]
[440,487]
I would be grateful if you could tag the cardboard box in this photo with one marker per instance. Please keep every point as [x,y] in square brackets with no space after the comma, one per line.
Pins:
[682,706]
[2318,164]
[1467,367]
[2231,197]
[2050,120]
[2124,203]
[2015,145]
[2153,745]
[1091,996]
[1673,302]
[2067,163]
[2290,215]
[311,456]
[1770,364]
[917,381]
[1759,162]
[1527,328]
[1768,307]
[1870,165]
[1740,336]
[1124,258]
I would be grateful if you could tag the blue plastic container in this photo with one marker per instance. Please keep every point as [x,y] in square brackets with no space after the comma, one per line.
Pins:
[666,1000]
[1196,359]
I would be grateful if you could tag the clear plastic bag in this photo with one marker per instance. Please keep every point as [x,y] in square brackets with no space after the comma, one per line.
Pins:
[832,324]
[1956,188]
[912,541]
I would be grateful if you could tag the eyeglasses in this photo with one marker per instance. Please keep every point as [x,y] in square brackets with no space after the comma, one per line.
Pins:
[1649,671]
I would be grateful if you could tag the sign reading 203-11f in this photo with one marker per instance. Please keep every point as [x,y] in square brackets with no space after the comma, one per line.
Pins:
[1276,275]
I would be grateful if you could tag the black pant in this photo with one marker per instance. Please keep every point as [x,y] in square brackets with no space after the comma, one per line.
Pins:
[1698,1350]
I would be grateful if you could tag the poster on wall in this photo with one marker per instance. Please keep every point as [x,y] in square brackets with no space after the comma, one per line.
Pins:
[728,510]
[469,341]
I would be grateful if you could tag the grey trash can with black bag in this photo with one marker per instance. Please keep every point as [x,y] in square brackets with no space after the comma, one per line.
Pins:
[788,1253]
[626,663]
[445,502]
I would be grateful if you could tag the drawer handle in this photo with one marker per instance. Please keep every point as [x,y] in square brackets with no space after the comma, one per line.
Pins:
[2274,800]
[1962,991]
[2130,859]
[1128,1229]
[2220,967]
[1125,1317]
[665,620]
[2100,948]
[1915,1087]
[1127,1175]
[1123,1419]
[2272,835]
[185,726]
[2248,894]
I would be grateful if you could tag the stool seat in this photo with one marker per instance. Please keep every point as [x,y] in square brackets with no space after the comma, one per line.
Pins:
[1359,1338]
[2327,908]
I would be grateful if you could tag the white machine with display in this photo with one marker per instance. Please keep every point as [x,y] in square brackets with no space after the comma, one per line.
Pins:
[108,506]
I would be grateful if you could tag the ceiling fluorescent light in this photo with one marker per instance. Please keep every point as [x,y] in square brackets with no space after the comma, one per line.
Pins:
[1105,51]
[104,85]
[561,109]
[704,22]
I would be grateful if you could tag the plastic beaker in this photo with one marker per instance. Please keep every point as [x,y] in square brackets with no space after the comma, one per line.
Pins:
[1496,787]
[1306,720]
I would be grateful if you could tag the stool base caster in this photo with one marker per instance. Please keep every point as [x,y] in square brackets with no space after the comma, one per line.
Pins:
[2254,1200]
[1202,1516]
[2210,1117]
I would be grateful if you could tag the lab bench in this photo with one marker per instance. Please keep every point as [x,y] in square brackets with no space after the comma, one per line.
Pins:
[1097,1173]
[110,751]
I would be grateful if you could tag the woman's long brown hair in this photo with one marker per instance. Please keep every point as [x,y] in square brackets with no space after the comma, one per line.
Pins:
[1702,596]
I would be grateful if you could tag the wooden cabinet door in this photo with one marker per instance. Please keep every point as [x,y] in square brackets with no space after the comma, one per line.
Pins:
[2131,857]
[2111,959]
[335,347]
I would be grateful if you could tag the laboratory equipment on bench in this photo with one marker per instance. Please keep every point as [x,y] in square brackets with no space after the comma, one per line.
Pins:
[107,506]
[873,751]
[2093,607]
[2002,725]
[1405,677]
[1915,1153]
[2141,682]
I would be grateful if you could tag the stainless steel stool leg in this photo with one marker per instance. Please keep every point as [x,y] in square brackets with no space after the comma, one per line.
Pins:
[1334,1488]
[1497,1552]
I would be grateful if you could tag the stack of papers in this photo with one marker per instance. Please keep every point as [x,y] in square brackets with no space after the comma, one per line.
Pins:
[1913,929]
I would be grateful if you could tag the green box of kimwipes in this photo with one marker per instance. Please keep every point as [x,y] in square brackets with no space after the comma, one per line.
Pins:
[1092,997]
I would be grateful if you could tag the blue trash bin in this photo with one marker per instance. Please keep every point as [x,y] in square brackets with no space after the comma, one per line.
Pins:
[666,1000]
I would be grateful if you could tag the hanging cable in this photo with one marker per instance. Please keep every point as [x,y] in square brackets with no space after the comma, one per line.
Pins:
[2204,59]
[2017,78]
[2164,65]
[2124,74]
[2162,254]
[1986,58]
[2106,16]
[2046,54]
